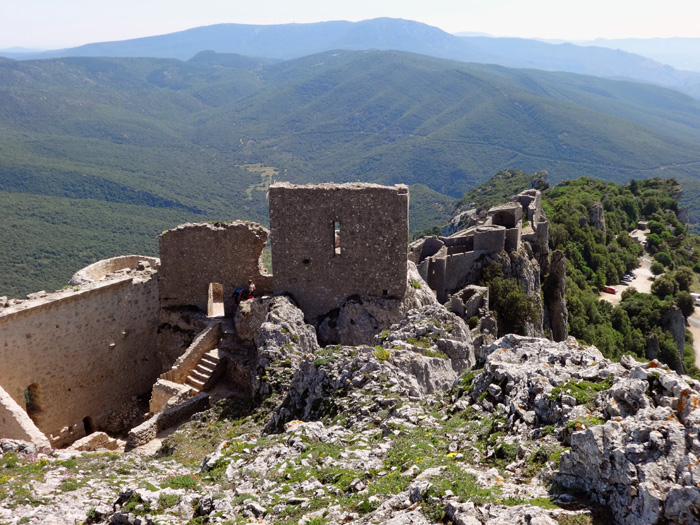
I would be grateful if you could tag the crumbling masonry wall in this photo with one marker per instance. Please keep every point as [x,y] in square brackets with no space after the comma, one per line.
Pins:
[332,241]
[195,255]
[81,353]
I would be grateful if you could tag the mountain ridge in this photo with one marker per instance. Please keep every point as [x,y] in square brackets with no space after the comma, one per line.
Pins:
[287,41]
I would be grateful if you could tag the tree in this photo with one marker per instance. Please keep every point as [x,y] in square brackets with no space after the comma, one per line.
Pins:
[634,187]
[684,277]
[685,302]
[664,258]
[655,227]
[627,293]
[653,240]
[664,286]
[512,305]
[657,268]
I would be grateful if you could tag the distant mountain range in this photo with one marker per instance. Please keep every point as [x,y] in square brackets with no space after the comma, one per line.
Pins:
[98,155]
[288,41]
[681,53]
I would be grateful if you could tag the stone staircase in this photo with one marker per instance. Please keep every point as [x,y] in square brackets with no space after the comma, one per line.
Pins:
[205,369]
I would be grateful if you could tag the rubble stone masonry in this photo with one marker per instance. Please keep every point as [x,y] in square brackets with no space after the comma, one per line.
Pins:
[193,256]
[71,358]
[332,241]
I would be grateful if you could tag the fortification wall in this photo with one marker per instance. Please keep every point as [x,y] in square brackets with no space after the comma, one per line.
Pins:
[193,256]
[489,239]
[513,238]
[80,354]
[331,241]
[103,268]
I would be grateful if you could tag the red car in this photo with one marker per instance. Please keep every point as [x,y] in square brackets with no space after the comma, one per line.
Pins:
[609,289]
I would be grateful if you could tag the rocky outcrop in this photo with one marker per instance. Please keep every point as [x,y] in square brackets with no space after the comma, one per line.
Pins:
[596,216]
[674,322]
[397,434]
[432,330]
[360,318]
[556,313]
[424,354]
[281,338]
[463,219]
[632,427]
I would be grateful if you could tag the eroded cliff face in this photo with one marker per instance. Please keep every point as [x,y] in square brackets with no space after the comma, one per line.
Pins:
[556,313]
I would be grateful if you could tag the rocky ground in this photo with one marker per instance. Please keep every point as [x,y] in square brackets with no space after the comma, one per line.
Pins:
[414,430]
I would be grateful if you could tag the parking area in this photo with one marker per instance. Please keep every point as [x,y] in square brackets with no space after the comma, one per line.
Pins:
[642,282]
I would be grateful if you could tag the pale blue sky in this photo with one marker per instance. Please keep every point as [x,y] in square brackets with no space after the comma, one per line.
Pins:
[66,23]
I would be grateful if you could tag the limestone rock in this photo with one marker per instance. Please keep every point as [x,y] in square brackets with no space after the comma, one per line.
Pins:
[360,318]
[555,303]
[596,216]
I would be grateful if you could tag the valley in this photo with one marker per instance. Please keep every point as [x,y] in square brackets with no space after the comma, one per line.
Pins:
[162,141]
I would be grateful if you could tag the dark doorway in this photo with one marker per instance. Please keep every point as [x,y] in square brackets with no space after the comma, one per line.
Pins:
[33,401]
[89,425]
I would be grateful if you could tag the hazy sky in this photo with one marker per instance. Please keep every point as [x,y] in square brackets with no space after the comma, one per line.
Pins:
[67,23]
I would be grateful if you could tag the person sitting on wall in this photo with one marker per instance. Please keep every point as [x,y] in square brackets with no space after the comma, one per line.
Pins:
[251,289]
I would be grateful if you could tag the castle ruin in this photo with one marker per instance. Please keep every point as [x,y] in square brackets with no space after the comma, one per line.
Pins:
[135,326]
[446,263]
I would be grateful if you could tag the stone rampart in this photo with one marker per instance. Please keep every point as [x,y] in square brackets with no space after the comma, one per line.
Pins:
[332,241]
[195,256]
[78,354]
[513,239]
[101,269]
[491,239]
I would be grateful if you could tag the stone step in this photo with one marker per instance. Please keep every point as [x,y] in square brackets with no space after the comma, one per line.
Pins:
[207,368]
[195,383]
[204,370]
[200,376]
[209,360]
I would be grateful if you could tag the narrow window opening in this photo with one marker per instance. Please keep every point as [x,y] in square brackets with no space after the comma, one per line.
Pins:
[336,237]
[215,303]
[33,401]
[89,425]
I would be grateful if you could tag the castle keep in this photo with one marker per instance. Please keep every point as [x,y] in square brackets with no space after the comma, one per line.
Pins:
[134,325]
[351,241]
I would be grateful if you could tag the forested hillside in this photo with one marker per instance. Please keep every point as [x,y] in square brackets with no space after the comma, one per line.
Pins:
[598,257]
[157,141]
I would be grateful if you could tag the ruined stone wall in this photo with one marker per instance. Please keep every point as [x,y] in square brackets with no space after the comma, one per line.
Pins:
[489,239]
[105,267]
[193,256]
[368,258]
[513,238]
[84,352]
[531,201]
